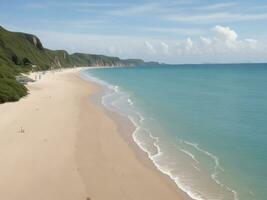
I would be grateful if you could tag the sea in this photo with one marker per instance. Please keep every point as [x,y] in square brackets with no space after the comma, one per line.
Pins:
[205,126]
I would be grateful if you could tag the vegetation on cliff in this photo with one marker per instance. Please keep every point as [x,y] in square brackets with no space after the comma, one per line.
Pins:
[22,52]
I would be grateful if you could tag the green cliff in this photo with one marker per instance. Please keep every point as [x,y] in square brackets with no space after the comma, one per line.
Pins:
[22,52]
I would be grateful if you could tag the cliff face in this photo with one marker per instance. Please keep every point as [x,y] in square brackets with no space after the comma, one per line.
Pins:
[34,41]
[22,52]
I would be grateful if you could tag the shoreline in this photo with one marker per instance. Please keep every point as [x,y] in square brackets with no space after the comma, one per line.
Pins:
[70,148]
[126,129]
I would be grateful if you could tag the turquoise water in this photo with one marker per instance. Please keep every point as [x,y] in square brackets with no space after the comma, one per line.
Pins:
[203,125]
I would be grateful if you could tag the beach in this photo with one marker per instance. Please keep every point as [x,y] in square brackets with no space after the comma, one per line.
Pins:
[57,144]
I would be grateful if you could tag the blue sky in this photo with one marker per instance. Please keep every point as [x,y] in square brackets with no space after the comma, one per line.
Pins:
[173,31]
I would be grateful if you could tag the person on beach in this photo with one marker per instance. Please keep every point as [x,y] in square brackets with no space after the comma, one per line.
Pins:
[22,130]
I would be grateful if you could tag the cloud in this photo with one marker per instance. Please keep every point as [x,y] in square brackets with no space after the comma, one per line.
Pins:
[137,9]
[165,48]
[215,17]
[205,41]
[156,7]
[35,5]
[87,4]
[77,6]
[224,33]
[217,6]
[89,7]
[222,44]
[188,44]
[252,43]
[150,47]
[179,31]
[72,23]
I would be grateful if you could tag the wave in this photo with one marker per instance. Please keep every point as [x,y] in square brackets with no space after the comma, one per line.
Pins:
[130,102]
[116,94]
[213,157]
[190,155]
[217,168]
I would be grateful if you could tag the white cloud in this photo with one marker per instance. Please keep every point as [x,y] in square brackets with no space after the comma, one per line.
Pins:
[35,5]
[72,23]
[224,33]
[150,8]
[215,17]
[150,47]
[188,44]
[223,45]
[180,31]
[252,43]
[137,9]
[87,4]
[77,6]
[205,41]
[218,6]
[102,7]
[165,48]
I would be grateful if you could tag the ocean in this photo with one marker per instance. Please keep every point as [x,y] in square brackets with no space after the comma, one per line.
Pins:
[205,125]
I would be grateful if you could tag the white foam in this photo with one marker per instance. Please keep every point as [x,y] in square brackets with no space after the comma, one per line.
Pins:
[165,170]
[130,102]
[155,157]
[190,155]
[251,193]
[217,167]
[213,157]
[196,168]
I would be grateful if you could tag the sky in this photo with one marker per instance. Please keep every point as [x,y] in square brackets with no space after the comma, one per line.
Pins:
[169,31]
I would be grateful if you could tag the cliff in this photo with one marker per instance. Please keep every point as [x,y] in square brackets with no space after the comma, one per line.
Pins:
[23,52]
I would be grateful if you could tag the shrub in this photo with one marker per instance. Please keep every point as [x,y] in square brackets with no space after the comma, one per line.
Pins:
[11,90]
[26,61]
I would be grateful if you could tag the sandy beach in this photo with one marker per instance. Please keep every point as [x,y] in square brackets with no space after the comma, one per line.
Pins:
[55,144]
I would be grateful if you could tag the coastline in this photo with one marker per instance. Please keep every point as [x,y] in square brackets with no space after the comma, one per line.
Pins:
[126,128]
[56,157]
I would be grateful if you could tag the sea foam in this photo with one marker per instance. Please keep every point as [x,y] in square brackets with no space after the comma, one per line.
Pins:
[212,109]
[115,91]
[112,98]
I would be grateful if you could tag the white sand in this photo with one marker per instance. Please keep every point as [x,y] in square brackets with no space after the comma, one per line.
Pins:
[70,149]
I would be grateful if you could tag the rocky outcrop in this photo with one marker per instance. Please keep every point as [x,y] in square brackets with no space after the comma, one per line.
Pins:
[35,41]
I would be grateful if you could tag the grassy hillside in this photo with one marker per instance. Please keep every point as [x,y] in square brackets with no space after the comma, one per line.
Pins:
[22,52]
[101,60]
